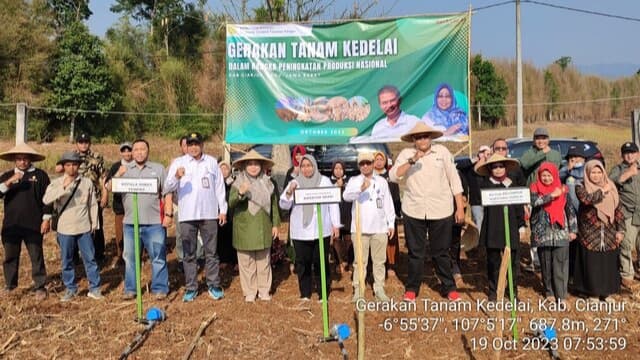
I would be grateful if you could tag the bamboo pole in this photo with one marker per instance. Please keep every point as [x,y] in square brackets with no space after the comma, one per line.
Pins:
[361,284]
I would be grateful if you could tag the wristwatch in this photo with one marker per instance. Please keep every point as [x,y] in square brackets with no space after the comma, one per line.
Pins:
[411,161]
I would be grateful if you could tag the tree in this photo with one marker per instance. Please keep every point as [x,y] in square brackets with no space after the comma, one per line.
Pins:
[69,11]
[553,93]
[82,81]
[490,90]
[177,26]
[563,62]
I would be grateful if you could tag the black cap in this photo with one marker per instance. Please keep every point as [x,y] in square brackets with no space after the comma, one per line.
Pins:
[194,137]
[628,147]
[574,151]
[69,156]
[83,137]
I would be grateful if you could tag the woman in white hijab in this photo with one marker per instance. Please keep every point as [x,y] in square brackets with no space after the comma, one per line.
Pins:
[304,228]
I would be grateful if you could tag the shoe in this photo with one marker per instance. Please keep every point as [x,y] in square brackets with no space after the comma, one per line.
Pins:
[190,295]
[305,299]
[180,267]
[381,296]
[68,295]
[216,292]
[453,296]
[41,294]
[95,294]
[265,297]
[249,299]
[159,296]
[593,300]
[409,296]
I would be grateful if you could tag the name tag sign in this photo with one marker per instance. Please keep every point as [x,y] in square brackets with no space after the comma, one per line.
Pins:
[321,195]
[131,185]
[510,196]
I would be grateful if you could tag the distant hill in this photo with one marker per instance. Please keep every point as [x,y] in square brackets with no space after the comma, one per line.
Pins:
[611,71]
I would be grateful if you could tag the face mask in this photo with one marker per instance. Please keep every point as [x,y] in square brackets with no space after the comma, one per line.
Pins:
[578,166]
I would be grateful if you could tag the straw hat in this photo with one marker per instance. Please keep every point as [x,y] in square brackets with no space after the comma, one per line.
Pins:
[485,169]
[421,128]
[22,149]
[470,235]
[252,155]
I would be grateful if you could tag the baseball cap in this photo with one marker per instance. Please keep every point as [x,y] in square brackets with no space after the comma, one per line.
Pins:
[126,145]
[194,137]
[83,137]
[628,147]
[541,132]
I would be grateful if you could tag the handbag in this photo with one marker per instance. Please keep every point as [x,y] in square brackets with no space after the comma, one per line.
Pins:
[55,216]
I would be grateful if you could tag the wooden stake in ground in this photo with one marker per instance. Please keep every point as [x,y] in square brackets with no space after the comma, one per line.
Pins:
[361,284]
[194,342]
[502,283]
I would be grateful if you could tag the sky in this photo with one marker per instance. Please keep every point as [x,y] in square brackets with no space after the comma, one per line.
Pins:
[547,33]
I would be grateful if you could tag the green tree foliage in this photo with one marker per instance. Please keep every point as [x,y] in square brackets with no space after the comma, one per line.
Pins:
[66,12]
[82,80]
[563,62]
[552,91]
[177,26]
[490,89]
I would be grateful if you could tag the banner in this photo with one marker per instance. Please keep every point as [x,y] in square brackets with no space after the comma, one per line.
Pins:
[358,81]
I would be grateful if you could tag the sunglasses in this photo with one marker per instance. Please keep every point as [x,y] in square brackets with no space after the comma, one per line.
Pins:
[365,162]
[497,166]
[420,136]
[500,148]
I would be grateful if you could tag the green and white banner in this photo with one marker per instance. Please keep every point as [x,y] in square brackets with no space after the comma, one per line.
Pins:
[358,81]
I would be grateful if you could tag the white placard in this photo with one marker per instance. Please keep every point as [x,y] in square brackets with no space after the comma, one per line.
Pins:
[322,195]
[132,185]
[510,196]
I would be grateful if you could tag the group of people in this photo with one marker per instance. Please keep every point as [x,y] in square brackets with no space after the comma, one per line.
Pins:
[581,219]
[584,223]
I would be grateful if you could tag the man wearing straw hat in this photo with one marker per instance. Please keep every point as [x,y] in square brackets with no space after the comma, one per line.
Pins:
[26,218]
[432,183]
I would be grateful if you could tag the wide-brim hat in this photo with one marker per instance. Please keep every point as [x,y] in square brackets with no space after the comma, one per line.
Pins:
[470,236]
[252,155]
[421,128]
[69,156]
[22,148]
[509,164]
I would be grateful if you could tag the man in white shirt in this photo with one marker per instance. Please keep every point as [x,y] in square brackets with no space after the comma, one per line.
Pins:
[396,122]
[197,180]
[377,219]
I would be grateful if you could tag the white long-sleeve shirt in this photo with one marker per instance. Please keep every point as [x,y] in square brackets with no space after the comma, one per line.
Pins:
[330,216]
[201,191]
[377,214]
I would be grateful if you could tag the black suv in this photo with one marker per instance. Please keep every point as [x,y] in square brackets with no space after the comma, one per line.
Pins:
[326,155]
[518,146]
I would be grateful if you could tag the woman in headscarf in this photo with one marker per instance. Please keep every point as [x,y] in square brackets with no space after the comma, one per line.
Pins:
[393,247]
[601,230]
[296,155]
[492,231]
[227,253]
[445,115]
[256,220]
[342,245]
[304,228]
[553,226]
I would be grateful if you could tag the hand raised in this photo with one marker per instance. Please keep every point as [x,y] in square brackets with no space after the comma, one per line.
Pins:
[180,173]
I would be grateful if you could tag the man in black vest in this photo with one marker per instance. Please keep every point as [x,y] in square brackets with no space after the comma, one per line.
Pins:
[26,218]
